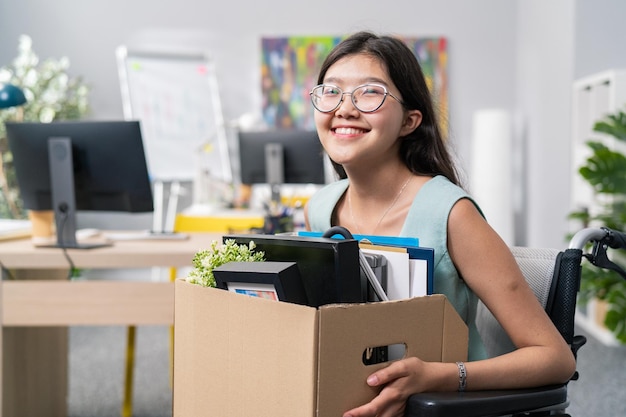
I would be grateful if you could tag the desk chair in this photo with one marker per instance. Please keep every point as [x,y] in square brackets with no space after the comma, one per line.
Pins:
[555,279]
[183,224]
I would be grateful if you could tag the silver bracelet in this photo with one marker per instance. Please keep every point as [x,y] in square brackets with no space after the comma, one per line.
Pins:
[462,376]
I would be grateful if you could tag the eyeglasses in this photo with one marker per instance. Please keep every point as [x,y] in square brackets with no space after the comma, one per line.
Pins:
[367,98]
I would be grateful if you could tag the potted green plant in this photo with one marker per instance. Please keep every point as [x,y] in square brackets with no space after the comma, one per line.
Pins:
[605,171]
[205,260]
[51,94]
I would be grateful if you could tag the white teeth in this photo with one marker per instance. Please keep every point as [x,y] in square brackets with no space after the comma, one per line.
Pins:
[347,131]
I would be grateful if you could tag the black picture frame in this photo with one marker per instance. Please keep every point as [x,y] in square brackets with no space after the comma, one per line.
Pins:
[279,281]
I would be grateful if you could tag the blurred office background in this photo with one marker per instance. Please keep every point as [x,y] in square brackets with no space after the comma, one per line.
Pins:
[519,55]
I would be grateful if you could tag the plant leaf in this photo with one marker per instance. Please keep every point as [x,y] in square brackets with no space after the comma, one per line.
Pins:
[614,320]
[605,169]
[613,125]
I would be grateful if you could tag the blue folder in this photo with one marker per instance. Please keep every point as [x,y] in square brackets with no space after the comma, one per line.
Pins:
[406,242]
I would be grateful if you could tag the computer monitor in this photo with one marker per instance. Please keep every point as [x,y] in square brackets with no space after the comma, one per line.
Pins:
[282,156]
[85,165]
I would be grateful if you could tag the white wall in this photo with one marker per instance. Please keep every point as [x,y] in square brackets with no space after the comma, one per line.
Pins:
[480,36]
[545,56]
[517,55]
[600,34]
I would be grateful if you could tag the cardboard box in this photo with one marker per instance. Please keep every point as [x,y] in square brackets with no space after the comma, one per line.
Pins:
[236,355]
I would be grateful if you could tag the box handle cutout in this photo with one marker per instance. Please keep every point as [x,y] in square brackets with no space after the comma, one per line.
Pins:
[381,354]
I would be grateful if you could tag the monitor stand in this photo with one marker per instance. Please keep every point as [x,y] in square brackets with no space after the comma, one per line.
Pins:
[275,171]
[158,232]
[63,194]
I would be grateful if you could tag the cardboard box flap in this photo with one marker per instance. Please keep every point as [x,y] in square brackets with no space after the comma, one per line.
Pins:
[423,324]
[267,349]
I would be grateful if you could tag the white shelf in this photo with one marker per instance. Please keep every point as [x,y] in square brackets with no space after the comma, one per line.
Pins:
[594,97]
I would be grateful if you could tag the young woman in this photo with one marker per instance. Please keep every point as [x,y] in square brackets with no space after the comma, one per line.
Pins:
[376,121]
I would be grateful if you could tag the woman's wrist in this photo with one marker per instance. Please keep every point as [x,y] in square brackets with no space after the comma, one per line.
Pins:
[462,376]
[443,376]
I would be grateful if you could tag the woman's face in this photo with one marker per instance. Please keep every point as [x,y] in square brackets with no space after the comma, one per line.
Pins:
[353,138]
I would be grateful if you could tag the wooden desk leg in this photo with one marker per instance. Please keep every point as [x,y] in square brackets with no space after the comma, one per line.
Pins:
[34,365]
[35,371]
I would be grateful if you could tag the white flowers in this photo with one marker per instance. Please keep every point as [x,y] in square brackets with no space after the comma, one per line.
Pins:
[51,94]
[206,260]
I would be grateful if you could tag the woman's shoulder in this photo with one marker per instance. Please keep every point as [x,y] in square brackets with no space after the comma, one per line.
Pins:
[439,192]
[442,185]
[451,196]
[432,205]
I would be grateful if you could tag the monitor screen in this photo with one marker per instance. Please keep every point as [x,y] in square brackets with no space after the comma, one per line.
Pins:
[93,165]
[296,154]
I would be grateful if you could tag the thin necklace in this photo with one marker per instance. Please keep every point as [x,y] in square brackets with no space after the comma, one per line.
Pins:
[393,203]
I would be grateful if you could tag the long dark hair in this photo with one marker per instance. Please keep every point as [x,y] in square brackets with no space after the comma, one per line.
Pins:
[423,151]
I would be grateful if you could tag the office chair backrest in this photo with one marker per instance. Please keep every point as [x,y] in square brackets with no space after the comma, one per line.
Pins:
[554,277]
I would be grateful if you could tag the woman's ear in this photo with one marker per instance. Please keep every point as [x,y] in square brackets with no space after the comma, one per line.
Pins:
[412,119]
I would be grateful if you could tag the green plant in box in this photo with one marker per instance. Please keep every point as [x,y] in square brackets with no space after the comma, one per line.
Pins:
[204,261]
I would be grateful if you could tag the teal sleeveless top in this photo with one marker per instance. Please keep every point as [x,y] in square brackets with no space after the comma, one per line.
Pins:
[428,221]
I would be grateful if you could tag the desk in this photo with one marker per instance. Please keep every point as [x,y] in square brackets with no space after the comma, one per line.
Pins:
[36,307]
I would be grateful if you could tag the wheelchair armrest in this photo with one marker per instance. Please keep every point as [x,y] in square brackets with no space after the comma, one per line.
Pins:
[484,403]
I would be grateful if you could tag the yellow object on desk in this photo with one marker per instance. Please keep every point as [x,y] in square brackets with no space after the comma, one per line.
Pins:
[231,221]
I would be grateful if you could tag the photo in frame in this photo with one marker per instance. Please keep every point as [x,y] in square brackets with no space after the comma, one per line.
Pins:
[267,291]
[278,281]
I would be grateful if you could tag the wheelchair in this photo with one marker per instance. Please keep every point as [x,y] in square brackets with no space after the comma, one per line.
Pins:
[554,276]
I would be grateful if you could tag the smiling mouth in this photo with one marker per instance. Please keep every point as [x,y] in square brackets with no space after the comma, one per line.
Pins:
[348,131]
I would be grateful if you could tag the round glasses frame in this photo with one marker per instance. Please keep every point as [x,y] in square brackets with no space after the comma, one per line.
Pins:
[342,93]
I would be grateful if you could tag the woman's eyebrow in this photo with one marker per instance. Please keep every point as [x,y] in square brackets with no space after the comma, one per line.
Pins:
[332,80]
[368,80]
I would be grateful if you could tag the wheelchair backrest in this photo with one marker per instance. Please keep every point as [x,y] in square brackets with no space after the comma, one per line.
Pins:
[541,270]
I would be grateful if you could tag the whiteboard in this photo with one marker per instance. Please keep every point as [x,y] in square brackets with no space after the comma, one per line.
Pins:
[176,99]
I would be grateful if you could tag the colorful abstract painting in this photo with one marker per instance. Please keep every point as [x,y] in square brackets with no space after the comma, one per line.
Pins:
[432,55]
[290,66]
[288,72]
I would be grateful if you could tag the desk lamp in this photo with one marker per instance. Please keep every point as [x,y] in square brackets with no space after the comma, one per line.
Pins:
[11,96]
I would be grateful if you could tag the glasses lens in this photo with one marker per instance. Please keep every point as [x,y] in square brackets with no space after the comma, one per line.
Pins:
[366,98]
[326,98]
[369,97]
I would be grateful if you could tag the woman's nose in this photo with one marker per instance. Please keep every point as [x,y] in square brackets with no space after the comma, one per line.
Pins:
[346,106]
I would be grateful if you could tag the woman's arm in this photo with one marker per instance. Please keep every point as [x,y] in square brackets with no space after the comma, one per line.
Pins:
[486,264]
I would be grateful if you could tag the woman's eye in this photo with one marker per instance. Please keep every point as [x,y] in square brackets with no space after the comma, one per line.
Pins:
[372,91]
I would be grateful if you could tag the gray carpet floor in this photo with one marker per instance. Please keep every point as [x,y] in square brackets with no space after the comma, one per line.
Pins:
[97,370]
[600,391]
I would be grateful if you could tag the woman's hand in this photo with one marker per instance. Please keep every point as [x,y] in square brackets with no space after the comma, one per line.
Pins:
[399,380]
